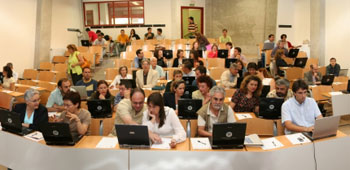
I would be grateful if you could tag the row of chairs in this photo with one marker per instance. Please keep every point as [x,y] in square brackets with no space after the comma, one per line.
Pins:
[49,76]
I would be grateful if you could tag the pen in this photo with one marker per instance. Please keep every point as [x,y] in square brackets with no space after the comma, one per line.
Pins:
[273,142]
[201,142]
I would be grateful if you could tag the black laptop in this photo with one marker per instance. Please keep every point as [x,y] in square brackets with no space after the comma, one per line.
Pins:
[270,108]
[132,136]
[327,80]
[188,108]
[222,53]
[132,82]
[168,54]
[239,82]
[11,122]
[228,135]
[293,53]
[188,91]
[57,134]
[188,80]
[300,62]
[265,90]
[100,108]
[85,43]
[200,53]
[229,61]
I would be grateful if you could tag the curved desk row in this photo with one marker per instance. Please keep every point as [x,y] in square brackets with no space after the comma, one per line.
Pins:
[18,153]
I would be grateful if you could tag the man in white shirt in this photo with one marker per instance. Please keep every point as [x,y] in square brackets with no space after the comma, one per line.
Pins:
[271,39]
[159,35]
[229,77]
[299,112]
[157,68]
[216,111]
[187,70]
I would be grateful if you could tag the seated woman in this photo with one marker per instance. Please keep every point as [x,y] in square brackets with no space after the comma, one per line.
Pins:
[204,85]
[162,121]
[246,99]
[77,118]
[8,81]
[123,74]
[241,69]
[102,92]
[214,51]
[195,46]
[266,78]
[252,69]
[229,47]
[177,91]
[178,60]
[279,61]
[161,61]
[196,59]
[177,75]
[32,112]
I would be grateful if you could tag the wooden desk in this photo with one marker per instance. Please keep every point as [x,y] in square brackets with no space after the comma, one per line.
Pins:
[29,86]
[12,93]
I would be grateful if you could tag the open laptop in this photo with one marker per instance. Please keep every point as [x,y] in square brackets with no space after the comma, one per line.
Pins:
[188,108]
[188,80]
[343,72]
[324,127]
[57,134]
[300,62]
[293,53]
[327,80]
[132,136]
[265,90]
[85,43]
[270,108]
[100,108]
[132,82]
[168,54]
[11,122]
[229,61]
[228,135]
[222,53]
[188,91]
[268,46]
[239,82]
[82,91]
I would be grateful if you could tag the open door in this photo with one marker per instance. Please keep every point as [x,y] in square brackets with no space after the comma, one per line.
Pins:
[196,13]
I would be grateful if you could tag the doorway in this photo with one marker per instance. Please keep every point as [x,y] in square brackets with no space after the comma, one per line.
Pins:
[196,13]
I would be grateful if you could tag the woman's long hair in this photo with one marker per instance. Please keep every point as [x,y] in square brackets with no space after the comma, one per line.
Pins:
[157,100]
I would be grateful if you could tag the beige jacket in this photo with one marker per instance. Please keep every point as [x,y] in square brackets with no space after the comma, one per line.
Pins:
[152,79]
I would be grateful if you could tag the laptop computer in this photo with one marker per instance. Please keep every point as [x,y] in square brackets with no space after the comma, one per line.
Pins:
[270,108]
[222,53]
[228,135]
[300,62]
[57,134]
[324,127]
[82,91]
[100,108]
[239,82]
[268,46]
[188,91]
[132,82]
[11,122]
[132,136]
[85,43]
[265,90]
[293,53]
[327,80]
[188,80]
[343,72]
[229,61]
[188,108]
[168,54]
[200,53]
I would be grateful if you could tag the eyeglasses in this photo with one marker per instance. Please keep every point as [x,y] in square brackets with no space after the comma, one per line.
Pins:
[36,101]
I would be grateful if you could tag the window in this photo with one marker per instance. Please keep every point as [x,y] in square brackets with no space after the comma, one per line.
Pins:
[113,13]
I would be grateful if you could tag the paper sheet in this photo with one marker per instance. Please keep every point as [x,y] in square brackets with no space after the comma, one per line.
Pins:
[107,142]
[52,114]
[200,143]
[335,93]
[35,136]
[271,143]
[241,116]
[297,138]
[164,145]
[6,91]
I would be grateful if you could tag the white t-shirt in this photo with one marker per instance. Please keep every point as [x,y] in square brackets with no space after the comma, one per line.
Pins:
[118,78]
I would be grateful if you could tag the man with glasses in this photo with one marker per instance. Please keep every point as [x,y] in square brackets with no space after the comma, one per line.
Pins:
[216,111]
[281,91]
[299,112]
[55,101]
[313,77]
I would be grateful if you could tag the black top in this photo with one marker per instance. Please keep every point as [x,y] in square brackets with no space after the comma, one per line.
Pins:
[280,63]
[169,100]
[333,70]
[176,62]
[161,62]
[135,36]
[40,115]
[168,86]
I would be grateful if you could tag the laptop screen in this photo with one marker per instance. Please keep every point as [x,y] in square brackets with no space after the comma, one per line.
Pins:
[228,134]
[188,108]
[132,135]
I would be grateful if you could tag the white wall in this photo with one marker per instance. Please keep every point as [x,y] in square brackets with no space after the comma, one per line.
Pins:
[338,31]
[18,33]
[297,14]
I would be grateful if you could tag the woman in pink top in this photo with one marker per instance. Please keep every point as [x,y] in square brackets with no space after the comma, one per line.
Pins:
[214,52]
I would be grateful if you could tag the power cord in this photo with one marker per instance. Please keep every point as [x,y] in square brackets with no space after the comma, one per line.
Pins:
[314,149]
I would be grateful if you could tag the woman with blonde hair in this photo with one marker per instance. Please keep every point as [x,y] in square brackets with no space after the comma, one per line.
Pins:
[75,60]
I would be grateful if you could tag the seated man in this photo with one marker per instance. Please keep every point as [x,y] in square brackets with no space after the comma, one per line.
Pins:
[138,58]
[216,111]
[299,112]
[149,35]
[280,45]
[100,41]
[271,39]
[87,81]
[122,40]
[124,92]
[159,35]
[55,101]
[281,90]
[333,68]
[225,38]
[200,71]
[237,53]
[313,77]
[157,68]
[229,77]
[187,69]
[146,78]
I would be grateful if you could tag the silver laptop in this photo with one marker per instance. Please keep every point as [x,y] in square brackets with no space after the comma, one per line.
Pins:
[324,127]
[343,72]
[82,91]
[268,46]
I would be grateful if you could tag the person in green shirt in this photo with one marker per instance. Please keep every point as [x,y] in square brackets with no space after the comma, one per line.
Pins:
[225,38]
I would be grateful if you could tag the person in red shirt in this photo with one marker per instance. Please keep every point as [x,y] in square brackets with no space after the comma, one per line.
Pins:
[92,35]
[214,52]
